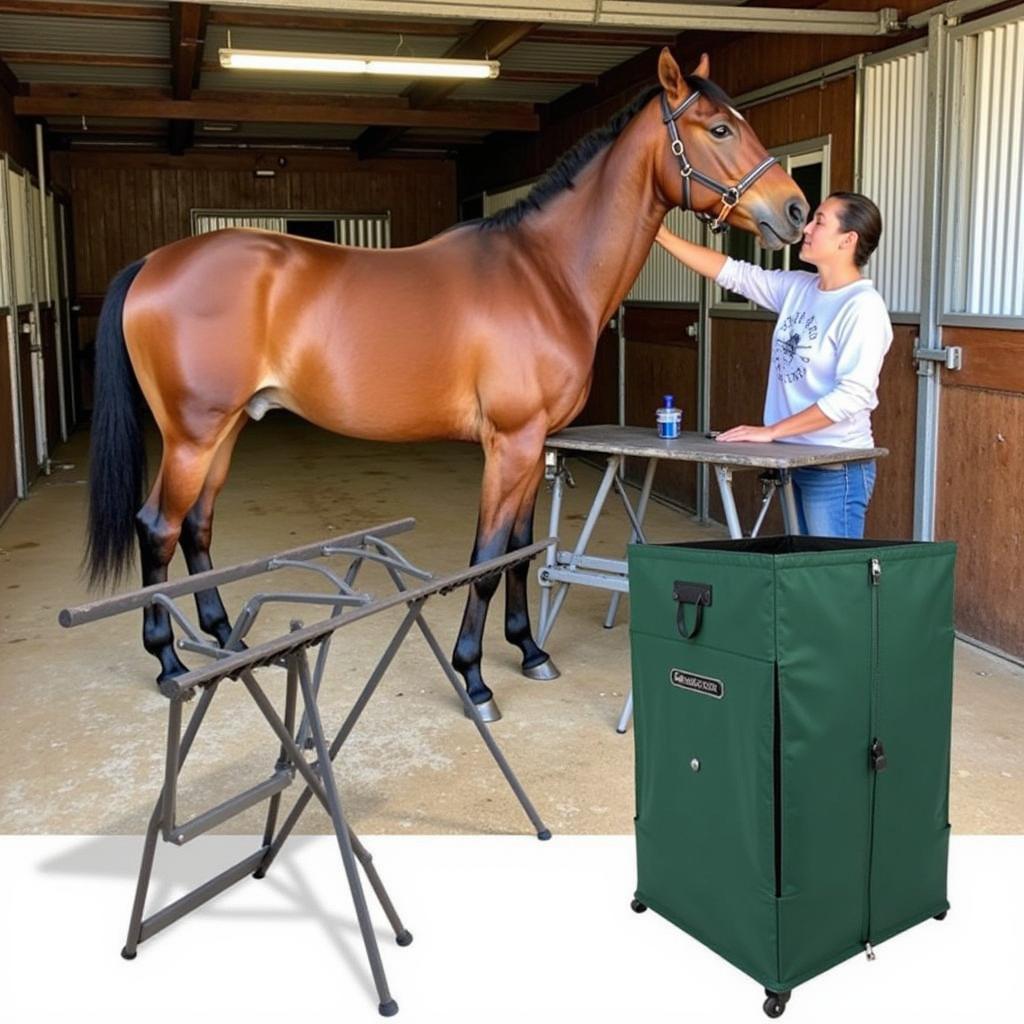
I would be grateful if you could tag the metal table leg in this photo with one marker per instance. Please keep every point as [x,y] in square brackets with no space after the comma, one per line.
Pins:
[790,517]
[581,546]
[641,511]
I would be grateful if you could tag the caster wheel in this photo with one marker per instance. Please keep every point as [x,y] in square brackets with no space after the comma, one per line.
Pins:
[775,1004]
[637,907]
[940,917]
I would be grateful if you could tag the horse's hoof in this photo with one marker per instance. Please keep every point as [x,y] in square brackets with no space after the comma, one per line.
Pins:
[544,672]
[488,711]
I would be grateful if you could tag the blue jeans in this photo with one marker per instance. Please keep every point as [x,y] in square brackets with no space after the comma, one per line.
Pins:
[833,502]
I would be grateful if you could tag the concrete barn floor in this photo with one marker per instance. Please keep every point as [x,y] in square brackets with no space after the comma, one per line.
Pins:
[82,725]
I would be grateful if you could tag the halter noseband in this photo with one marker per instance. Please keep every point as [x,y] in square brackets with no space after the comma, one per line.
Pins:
[730,194]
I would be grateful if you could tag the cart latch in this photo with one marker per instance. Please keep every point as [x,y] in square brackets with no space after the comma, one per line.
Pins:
[878,758]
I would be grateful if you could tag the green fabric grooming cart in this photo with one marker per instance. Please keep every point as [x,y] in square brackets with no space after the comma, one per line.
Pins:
[792,718]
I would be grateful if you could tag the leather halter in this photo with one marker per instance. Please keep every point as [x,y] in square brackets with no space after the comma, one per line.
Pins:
[730,194]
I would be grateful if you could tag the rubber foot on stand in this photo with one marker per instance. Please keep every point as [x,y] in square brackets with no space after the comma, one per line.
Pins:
[546,834]
[404,938]
[129,956]
[388,1009]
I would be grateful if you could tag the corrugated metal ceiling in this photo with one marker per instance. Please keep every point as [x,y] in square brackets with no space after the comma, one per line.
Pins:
[131,37]
[83,35]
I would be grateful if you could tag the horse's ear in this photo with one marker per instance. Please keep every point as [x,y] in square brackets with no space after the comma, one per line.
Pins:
[671,78]
[703,69]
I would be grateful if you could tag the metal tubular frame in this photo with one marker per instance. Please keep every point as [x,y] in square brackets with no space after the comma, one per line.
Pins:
[290,651]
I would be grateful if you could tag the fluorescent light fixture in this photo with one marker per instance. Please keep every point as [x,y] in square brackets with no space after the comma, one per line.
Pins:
[349,64]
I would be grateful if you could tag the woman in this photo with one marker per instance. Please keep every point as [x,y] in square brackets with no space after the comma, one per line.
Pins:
[832,334]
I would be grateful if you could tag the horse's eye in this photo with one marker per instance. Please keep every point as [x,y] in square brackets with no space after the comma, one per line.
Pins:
[721,131]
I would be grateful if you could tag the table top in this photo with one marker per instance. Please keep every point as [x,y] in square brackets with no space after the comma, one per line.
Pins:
[644,442]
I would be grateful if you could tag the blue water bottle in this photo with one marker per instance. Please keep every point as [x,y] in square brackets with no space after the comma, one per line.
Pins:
[669,419]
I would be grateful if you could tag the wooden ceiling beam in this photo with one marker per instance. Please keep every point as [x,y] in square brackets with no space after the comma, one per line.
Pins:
[112,12]
[188,34]
[488,40]
[99,60]
[240,17]
[329,110]
[625,37]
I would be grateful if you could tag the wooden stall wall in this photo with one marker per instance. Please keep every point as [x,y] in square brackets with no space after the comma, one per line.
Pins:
[603,401]
[661,359]
[980,489]
[126,204]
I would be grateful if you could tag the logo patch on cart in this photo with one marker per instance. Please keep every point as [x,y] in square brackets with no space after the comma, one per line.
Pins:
[699,684]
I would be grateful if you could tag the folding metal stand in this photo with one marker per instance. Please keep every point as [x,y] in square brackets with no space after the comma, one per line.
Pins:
[291,652]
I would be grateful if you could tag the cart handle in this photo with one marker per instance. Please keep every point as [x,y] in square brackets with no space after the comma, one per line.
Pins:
[685,593]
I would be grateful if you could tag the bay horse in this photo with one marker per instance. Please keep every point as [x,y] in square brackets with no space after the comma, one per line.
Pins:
[486,332]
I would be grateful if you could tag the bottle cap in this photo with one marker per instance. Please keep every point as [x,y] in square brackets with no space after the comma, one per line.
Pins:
[668,401]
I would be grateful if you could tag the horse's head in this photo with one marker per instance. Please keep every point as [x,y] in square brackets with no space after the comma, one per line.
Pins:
[715,165]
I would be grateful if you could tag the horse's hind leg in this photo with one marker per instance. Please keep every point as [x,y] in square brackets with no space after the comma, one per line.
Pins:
[511,465]
[197,532]
[179,481]
[536,663]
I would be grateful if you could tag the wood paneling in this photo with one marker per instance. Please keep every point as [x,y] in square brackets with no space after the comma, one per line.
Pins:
[8,453]
[808,114]
[125,205]
[991,359]
[740,354]
[980,505]
[603,401]
[661,359]
[894,424]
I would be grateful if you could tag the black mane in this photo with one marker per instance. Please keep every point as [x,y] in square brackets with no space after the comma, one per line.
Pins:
[561,175]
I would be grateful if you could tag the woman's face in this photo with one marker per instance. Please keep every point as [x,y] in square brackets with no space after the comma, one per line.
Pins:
[825,241]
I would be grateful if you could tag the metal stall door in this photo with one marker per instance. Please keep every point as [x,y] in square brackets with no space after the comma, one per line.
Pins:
[65,334]
[11,455]
[33,426]
[46,328]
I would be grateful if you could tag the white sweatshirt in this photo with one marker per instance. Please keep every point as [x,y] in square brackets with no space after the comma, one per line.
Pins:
[827,348]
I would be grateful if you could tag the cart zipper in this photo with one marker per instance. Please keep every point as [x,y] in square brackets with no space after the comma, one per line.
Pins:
[877,760]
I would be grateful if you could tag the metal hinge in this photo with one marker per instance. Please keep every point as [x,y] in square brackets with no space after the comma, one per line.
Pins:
[952,357]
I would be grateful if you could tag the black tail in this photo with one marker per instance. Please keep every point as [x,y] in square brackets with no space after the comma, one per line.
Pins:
[117,458]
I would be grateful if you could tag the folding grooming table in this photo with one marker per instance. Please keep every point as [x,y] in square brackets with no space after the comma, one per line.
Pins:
[562,568]
[414,586]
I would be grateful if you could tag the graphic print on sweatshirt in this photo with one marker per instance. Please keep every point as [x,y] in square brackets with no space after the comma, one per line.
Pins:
[794,338]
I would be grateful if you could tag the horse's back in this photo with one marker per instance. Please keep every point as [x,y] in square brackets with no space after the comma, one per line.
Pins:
[360,341]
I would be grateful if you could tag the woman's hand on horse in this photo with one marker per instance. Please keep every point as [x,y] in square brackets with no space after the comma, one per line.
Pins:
[664,235]
[745,433]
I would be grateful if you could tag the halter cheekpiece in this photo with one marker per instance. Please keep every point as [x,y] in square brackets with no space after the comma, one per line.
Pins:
[730,194]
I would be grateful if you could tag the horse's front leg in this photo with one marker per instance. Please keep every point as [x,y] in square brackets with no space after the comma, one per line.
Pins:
[509,470]
[537,664]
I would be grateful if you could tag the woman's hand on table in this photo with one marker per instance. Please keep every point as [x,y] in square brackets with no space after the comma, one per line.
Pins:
[745,433]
